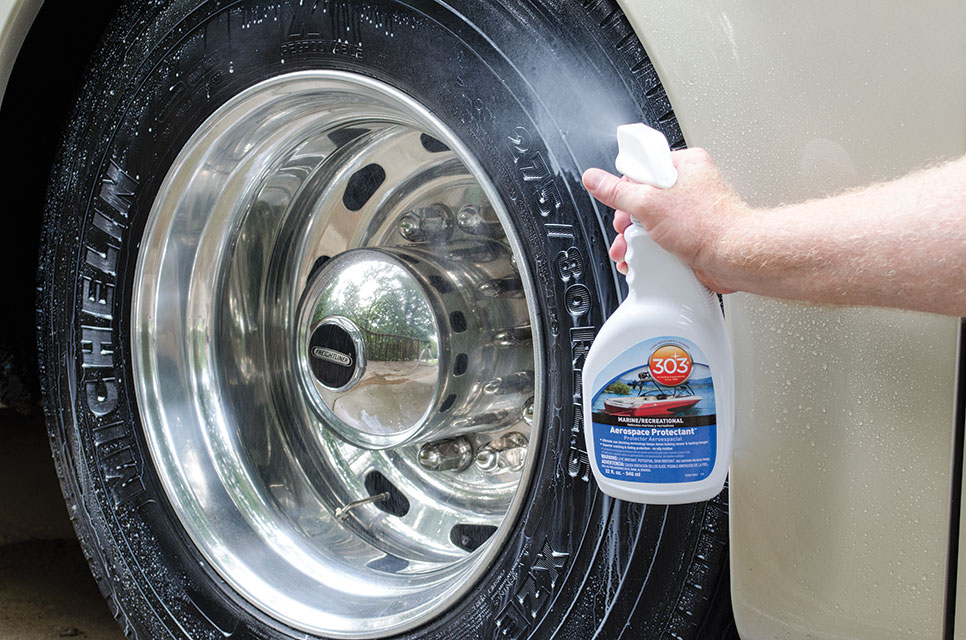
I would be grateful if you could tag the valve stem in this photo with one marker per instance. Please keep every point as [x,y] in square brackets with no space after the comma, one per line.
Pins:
[342,513]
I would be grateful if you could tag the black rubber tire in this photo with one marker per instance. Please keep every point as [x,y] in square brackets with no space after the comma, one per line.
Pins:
[524,84]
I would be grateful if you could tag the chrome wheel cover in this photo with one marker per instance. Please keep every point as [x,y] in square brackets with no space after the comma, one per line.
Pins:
[336,355]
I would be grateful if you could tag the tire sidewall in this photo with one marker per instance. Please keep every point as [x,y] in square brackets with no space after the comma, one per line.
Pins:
[143,100]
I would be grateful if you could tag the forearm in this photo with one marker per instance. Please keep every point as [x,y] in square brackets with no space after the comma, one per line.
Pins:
[898,244]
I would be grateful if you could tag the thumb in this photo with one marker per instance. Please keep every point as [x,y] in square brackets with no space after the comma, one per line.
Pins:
[614,192]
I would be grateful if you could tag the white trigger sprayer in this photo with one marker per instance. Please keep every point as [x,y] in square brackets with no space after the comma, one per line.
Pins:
[658,389]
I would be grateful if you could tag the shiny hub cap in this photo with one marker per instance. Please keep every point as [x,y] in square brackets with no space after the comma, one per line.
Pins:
[335,354]
[387,337]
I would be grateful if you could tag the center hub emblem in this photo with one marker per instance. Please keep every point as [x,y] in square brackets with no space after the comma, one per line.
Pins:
[336,357]
[332,355]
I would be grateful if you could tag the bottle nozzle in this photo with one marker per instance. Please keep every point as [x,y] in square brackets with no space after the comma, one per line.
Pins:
[644,156]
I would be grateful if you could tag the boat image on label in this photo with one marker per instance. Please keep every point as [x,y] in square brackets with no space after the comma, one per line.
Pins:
[657,422]
[658,395]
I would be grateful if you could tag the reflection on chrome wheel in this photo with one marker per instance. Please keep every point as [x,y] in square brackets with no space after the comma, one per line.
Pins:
[328,274]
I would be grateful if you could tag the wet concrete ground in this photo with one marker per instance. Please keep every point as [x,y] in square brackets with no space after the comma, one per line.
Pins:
[46,590]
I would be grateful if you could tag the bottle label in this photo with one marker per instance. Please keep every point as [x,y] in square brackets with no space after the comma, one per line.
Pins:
[654,414]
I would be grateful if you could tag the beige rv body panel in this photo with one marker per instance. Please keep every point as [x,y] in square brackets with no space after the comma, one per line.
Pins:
[840,480]
[16,16]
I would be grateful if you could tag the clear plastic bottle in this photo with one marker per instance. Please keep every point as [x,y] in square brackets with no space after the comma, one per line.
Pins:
[658,388]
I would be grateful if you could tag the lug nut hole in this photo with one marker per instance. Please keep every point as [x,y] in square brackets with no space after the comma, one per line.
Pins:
[459,365]
[447,403]
[431,144]
[396,504]
[470,537]
[457,321]
[440,284]
[362,185]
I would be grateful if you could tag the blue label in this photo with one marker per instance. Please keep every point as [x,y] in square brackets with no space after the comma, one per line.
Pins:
[655,421]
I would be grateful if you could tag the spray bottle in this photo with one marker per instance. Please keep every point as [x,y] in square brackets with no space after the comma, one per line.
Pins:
[658,392]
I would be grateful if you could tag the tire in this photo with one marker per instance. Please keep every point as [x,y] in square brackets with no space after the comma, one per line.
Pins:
[143,414]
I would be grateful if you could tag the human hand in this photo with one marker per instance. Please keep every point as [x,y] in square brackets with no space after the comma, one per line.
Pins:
[690,220]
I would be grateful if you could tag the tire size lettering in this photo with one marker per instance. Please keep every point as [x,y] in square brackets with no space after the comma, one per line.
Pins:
[559,231]
[546,197]
[474,111]
[578,300]
[570,264]
[578,460]
[570,268]
[533,169]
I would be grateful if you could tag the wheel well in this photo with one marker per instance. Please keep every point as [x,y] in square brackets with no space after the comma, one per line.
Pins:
[38,99]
